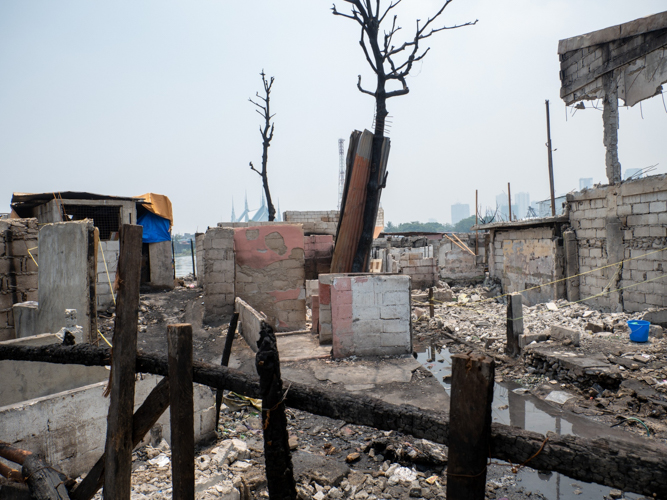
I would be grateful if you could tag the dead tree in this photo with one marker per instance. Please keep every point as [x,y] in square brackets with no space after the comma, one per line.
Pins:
[381,53]
[267,134]
[383,57]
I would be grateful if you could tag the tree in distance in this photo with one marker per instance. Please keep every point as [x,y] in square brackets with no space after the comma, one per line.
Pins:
[267,134]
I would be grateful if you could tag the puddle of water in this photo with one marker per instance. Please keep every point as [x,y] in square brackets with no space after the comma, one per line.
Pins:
[531,413]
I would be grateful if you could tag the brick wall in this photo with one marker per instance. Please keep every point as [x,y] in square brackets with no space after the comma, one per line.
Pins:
[219,273]
[370,315]
[18,271]
[422,270]
[522,258]
[318,251]
[619,222]
[270,273]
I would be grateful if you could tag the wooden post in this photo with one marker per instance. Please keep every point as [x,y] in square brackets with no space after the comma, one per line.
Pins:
[279,469]
[431,306]
[179,339]
[226,353]
[470,426]
[192,251]
[173,258]
[509,200]
[514,324]
[476,224]
[118,465]
[144,419]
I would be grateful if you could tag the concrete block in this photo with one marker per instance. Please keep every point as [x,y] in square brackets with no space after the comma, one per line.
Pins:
[640,208]
[658,206]
[25,319]
[526,338]
[562,333]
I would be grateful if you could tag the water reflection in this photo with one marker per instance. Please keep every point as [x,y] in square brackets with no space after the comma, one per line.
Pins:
[513,406]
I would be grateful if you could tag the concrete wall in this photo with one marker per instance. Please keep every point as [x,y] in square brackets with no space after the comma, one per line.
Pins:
[526,257]
[219,273]
[199,257]
[270,274]
[324,314]
[18,271]
[318,250]
[67,272]
[22,380]
[108,251]
[370,315]
[457,264]
[616,223]
[161,264]
[250,321]
[69,428]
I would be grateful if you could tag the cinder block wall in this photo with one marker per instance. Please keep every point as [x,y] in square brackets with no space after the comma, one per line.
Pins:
[270,273]
[18,271]
[370,315]
[318,250]
[616,223]
[109,252]
[525,258]
[219,273]
[455,263]
[422,270]
[314,222]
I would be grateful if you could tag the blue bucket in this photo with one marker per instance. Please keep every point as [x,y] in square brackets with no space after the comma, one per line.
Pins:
[638,330]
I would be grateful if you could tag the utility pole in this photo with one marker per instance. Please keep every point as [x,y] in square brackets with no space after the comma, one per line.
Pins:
[551,163]
[341,171]
[509,200]
[476,224]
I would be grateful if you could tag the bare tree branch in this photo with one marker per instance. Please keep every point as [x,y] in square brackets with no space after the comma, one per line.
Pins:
[253,168]
[364,90]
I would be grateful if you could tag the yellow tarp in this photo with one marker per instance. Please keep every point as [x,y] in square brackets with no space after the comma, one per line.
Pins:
[159,204]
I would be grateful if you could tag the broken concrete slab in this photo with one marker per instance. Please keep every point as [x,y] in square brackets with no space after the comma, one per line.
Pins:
[528,338]
[326,471]
[656,317]
[562,333]
[387,372]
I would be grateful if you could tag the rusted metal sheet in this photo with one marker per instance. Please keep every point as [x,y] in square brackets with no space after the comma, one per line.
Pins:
[352,211]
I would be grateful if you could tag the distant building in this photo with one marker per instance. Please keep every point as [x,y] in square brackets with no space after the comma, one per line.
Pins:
[585,183]
[522,201]
[503,208]
[634,173]
[460,211]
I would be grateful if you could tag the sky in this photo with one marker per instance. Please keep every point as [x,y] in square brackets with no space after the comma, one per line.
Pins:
[128,97]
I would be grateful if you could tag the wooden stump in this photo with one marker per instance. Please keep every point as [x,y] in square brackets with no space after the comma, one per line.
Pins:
[279,469]
[514,324]
[469,426]
[118,464]
[182,411]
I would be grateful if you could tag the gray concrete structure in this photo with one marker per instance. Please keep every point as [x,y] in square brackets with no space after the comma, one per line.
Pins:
[25,318]
[162,272]
[67,271]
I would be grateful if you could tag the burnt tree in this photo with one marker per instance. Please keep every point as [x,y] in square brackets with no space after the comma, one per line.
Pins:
[266,131]
[391,64]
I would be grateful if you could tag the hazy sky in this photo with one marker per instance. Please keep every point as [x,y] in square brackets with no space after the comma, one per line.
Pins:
[126,97]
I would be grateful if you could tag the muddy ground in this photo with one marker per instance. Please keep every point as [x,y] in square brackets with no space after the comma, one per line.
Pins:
[333,459]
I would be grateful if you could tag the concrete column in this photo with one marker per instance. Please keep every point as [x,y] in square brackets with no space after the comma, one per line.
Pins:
[571,265]
[610,124]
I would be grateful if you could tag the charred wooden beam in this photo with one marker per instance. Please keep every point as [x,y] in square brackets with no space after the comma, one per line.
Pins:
[630,464]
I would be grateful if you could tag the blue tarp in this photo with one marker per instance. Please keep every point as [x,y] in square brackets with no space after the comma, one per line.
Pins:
[156,228]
